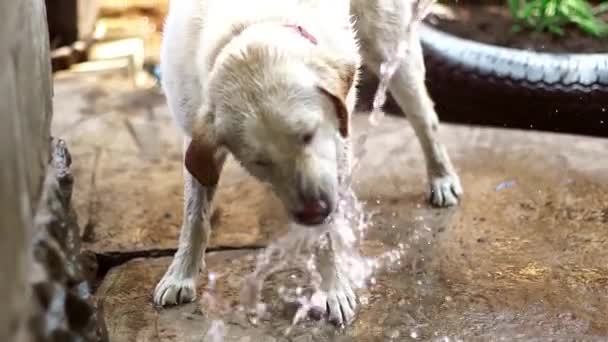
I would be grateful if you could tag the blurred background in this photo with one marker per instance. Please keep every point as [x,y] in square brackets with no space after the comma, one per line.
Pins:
[107,34]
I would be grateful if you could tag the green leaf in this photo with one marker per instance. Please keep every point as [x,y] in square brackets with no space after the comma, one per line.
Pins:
[514,8]
[554,15]
[556,30]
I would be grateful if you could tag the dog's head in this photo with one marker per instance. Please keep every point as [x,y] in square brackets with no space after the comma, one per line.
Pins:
[284,118]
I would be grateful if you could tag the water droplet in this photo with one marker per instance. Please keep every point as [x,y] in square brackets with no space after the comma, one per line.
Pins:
[393,334]
[216,331]
[212,277]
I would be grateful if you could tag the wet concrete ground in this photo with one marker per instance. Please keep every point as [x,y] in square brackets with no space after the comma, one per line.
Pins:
[524,258]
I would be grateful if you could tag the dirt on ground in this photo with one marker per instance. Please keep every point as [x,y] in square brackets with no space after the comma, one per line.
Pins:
[491,22]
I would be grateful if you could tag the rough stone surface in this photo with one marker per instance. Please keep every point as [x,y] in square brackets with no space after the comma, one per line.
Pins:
[62,277]
[25,114]
[523,258]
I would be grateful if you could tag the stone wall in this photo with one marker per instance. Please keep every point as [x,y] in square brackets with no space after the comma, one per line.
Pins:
[25,114]
[44,277]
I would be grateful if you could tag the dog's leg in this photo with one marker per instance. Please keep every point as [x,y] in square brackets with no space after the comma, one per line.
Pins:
[178,285]
[336,297]
[409,91]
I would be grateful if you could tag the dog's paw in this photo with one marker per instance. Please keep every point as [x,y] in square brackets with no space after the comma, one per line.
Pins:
[338,304]
[445,190]
[174,289]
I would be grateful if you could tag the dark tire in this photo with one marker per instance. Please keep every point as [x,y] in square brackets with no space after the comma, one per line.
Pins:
[478,83]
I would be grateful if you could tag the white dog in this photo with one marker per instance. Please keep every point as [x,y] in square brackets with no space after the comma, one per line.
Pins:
[274,83]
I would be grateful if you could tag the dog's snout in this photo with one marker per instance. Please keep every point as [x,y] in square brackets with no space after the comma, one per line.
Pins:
[314,211]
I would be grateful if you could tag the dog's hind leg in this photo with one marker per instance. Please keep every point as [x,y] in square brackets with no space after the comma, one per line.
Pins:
[409,91]
[381,26]
[178,285]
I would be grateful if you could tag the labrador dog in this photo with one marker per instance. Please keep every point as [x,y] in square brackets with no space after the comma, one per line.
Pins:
[273,82]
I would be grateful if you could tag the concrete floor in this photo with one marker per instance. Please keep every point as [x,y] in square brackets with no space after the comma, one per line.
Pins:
[525,256]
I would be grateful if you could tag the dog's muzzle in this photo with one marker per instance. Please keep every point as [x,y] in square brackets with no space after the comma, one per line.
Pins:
[313,212]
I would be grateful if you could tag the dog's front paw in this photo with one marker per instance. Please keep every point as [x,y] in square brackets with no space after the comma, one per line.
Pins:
[446,190]
[174,289]
[338,303]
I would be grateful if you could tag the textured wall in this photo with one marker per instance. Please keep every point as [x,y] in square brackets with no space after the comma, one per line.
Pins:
[25,114]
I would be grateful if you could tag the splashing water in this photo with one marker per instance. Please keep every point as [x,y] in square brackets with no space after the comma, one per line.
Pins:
[215,307]
[216,332]
[421,8]
[300,247]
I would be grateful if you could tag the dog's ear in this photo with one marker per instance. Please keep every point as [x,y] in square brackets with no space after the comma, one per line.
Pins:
[200,157]
[335,80]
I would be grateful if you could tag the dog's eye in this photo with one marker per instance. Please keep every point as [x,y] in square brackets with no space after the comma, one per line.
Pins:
[262,163]
[307,138]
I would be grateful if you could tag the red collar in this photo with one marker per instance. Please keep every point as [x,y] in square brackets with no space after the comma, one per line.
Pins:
[302,31]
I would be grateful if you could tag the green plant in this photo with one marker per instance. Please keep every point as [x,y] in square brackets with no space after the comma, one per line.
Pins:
[553,15]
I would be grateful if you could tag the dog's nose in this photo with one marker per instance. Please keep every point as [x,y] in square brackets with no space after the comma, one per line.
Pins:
[313,212]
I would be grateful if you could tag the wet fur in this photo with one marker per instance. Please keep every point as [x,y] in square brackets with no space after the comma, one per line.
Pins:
[238,81]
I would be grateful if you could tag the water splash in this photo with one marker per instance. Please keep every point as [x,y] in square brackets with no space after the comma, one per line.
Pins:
[299,249]
[294,249]
[216,308]
[216,332]
[421,8]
